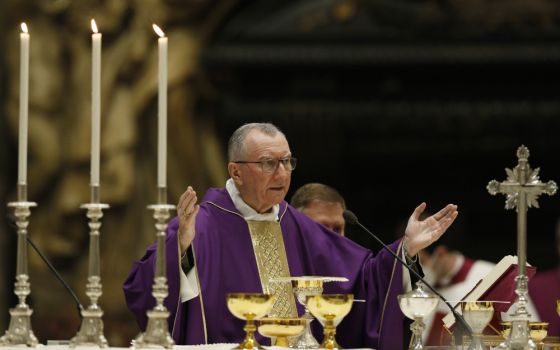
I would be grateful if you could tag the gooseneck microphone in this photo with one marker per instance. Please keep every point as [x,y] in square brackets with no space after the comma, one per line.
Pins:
[352,219]
[12,223]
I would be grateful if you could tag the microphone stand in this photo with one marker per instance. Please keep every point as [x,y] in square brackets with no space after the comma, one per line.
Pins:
[462,325]
[60,279]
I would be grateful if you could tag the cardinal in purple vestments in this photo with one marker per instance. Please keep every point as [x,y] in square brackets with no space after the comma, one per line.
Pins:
[224,260]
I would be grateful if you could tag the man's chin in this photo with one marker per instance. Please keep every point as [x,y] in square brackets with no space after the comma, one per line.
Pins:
[277,199]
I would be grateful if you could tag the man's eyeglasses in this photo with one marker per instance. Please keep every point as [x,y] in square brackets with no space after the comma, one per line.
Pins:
[271,165]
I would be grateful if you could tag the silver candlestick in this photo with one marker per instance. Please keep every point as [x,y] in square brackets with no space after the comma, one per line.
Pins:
[91,330]
[522,189]
[157,332]
[19,331]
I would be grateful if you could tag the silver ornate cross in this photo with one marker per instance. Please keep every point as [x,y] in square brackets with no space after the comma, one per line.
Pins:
[522,188]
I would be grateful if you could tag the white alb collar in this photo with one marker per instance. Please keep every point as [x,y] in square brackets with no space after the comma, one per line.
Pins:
[245,210]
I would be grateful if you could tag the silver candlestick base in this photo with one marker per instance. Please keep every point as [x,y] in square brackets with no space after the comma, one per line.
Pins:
[519,338]
[91,330]
[157,331]
[19,331]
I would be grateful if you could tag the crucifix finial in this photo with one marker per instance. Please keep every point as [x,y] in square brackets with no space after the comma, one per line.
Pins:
[522,179]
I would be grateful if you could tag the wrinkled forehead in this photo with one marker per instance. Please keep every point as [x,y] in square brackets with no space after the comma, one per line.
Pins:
[260,145]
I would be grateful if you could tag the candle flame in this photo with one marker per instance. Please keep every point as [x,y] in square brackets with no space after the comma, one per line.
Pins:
[158,30]
[94,26]
[24,27]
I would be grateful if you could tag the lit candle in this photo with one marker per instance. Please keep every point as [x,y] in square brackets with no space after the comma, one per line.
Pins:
[162,107]
[23,104]
[95,103]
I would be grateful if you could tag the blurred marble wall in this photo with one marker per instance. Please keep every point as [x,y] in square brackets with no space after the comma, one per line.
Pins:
[59,140]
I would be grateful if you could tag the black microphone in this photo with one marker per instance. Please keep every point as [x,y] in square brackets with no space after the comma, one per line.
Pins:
[12,223]
[352,219]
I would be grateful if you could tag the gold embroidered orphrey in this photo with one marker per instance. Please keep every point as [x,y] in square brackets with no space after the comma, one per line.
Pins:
[270,253]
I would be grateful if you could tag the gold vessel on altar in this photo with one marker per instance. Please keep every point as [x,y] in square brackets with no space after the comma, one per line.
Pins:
[538,331]
[330,309]
[249,307]
[280,328]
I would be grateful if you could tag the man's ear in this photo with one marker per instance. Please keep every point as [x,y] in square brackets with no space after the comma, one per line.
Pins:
[234,172]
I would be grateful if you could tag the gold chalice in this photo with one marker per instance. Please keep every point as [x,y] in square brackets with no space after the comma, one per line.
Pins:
[477,314]
[281,328]
[249,307]
[330,309]
[537,332]
[558,307]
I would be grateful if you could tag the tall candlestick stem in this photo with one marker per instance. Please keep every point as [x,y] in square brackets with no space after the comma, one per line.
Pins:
[157,333]
[91,330]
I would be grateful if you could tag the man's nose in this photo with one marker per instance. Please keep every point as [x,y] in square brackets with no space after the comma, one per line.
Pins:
[282,166]
[281,170]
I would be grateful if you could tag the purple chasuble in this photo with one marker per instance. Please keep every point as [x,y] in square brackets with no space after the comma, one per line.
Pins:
[544,290]
[225,263]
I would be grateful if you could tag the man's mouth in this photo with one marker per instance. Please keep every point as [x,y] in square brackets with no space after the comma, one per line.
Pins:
[279,188]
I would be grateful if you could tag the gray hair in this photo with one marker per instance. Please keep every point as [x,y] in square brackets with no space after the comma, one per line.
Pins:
[236,147]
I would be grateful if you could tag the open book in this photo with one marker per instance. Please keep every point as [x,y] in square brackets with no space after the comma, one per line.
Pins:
[498,285]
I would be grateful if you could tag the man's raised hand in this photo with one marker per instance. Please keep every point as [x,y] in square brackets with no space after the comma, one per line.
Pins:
[187,210]
[421,233]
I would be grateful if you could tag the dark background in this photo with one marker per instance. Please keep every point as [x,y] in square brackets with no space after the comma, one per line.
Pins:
[403,102]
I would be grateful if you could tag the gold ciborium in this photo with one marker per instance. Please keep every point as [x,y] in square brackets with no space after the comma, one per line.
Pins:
[249,307]
[281,328]
[477,314]
[537,332]
[330,309]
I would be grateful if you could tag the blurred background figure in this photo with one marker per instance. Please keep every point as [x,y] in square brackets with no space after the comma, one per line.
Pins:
[544,290]
[321,203]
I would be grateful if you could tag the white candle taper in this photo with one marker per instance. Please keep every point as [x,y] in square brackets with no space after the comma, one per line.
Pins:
[95,103]
[162,107]
[23,104]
